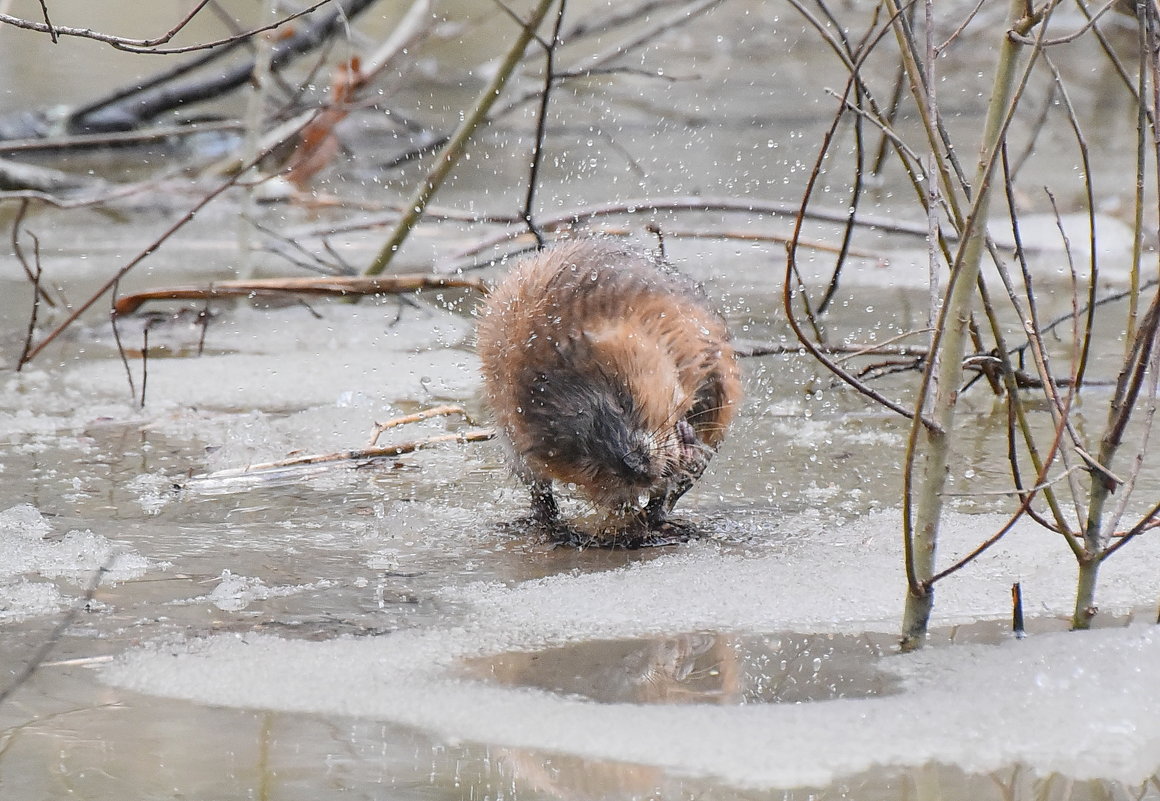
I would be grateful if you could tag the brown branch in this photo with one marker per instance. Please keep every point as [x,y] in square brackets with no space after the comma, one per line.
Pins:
[85,141]
[1066,38]
[575,217]
[341,286]
[55,31]
[1149,521]
[120,344]
[570,221]
[33,275]
[754,349]
[791,270]
[550,48]
[692,233]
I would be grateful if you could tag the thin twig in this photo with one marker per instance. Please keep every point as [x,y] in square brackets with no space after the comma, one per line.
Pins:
[792,279]
[417,417]
[859,164]
[18,251]
[1089,196]
[1142,449]
[144,363]
[1031,317]
[36,274]
[151,46]
[542,127]
[52,35]
[121,345]
[754,349]
[1067,38]
[962,27]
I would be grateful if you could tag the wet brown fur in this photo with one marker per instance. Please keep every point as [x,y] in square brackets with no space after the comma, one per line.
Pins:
[607,372]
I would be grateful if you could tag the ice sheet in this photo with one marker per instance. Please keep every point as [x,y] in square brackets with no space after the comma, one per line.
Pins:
[1079,704]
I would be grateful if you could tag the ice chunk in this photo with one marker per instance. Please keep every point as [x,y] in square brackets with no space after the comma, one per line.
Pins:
[25,548]
[22,599]
[234,593]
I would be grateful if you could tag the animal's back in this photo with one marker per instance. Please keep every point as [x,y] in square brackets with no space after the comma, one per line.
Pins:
[599,366]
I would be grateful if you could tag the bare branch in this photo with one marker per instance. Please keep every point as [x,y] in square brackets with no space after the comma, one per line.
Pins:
[152,46]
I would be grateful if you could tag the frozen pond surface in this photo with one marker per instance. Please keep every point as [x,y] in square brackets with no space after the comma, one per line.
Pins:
[380,628]
[381,633]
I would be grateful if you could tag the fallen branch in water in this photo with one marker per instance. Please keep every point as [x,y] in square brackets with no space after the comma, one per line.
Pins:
[272,287]
[340,457]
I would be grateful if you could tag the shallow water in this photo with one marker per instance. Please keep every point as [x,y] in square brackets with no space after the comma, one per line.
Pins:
[379,632]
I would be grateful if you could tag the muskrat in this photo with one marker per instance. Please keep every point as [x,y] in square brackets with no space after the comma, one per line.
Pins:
[607,371]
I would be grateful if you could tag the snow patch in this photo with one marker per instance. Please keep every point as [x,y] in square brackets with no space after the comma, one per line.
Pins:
[980,708]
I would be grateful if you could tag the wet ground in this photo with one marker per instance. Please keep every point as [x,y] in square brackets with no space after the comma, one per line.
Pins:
[381,632]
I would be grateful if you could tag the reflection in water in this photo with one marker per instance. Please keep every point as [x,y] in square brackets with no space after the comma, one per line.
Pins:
[703,668]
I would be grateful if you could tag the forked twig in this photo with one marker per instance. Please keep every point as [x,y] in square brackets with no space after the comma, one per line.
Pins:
[417,417]
[152,46]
